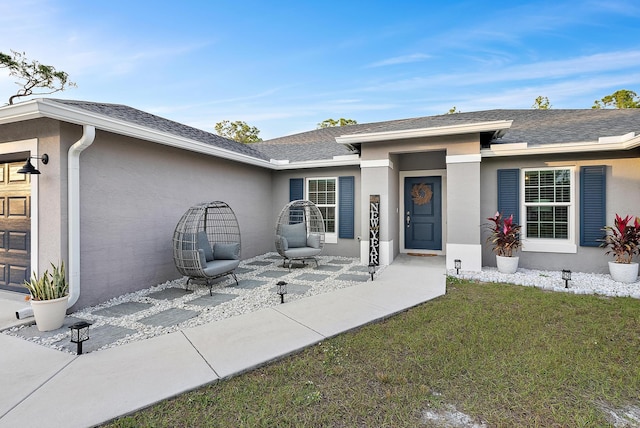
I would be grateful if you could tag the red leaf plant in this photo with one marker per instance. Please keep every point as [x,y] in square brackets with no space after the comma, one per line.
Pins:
[622,239]
[505,235]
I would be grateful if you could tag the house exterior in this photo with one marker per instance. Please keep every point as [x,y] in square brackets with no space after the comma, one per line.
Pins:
[119,179]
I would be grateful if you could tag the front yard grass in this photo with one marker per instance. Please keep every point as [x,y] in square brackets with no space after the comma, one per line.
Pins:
[502,355]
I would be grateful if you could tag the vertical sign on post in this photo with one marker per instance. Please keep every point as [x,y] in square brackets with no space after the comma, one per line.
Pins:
[374,229]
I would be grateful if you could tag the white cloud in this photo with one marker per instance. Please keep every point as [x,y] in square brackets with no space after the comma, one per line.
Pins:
[405,59]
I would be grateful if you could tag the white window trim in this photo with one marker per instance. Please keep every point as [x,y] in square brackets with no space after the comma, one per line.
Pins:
[546,245]
[329,238]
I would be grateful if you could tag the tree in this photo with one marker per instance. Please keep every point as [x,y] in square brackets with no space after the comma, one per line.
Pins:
[622,98]
[541,103]
[238,131]
[32,74]
[328,123]
[453,110]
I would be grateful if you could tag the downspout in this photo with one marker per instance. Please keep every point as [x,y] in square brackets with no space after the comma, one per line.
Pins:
[73,197]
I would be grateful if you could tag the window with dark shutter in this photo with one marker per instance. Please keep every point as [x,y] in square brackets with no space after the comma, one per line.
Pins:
[346,207]
[296,189]
[592,204]
[509,193]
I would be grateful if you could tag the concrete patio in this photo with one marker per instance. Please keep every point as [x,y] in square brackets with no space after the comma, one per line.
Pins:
[89,389]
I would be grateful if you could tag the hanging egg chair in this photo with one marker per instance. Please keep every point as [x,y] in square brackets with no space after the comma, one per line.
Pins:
[206,243]
[300,232]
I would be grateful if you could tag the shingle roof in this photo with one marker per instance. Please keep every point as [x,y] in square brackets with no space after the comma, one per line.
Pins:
[139,117]
[535,127]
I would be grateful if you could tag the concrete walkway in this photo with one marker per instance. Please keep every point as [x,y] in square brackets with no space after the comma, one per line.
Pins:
[42,387]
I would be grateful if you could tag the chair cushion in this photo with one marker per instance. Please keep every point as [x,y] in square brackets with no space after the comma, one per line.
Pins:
[299,253]
[296,234]
[226,251]
[203,242]
[219,267]
[203,259]
[313,240]
[284,244]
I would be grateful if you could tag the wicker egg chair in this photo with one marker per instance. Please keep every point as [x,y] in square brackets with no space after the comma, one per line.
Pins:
[299,232]
[206,243]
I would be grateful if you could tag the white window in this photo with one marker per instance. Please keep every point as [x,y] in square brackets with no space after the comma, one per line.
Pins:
[549,207]
[324,193]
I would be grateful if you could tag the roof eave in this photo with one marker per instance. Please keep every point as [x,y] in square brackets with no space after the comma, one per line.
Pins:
[39,108]
[436,131]
[327,163]
[577,147]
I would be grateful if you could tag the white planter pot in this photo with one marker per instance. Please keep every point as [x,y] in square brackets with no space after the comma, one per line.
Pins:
[49,314]
[624,272]
[507,264]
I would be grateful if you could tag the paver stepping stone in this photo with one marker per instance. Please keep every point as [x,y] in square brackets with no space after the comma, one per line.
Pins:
[259,263]
[273,273]
[360,268]
[98,337]
[294,289]
[312,277]
[169,317]
[249,284]
[170,293]
[32,330]
[340,262]
[352,277]
[215,300]
[123,309]
[243,270]
[329,268]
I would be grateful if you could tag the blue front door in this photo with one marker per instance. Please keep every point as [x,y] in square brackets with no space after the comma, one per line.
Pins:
[423,213]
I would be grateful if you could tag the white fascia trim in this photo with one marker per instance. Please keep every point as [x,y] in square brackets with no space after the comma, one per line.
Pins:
[578,147]
[384,163]
[463,158]
[46,108]
[468,128]
[327,163]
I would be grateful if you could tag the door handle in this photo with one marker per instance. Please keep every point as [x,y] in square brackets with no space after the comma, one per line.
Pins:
[408,219]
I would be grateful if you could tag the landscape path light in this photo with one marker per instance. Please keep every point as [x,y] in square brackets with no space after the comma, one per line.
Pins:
[458,265]
[372,270]
[282,290]
[79,334]
[566,277]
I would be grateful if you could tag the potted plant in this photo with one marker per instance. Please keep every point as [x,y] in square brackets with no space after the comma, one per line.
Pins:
[505,239]
[49,295]
[622,240]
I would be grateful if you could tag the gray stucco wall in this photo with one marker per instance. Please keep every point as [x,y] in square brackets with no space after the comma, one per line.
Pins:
[52,184]
[280,197]
[623,197]
[463,199]
[132,195]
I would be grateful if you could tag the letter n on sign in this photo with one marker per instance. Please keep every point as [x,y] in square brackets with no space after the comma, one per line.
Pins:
[374,229]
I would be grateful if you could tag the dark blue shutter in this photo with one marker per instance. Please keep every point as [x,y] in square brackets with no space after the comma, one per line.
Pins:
[593,198]
[509,193]
[346,206]
[296,189]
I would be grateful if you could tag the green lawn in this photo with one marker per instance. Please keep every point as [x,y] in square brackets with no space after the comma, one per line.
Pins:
[504,355]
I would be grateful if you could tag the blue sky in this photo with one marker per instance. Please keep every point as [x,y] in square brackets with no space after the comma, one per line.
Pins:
[285,66]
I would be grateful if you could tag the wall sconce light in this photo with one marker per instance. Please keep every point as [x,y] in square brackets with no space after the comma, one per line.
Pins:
[566,276]
[28,168]
[372,270]
[458,265]
[282,290]
[79,334]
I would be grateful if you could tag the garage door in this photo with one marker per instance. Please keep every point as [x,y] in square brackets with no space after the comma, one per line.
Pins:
[15,227]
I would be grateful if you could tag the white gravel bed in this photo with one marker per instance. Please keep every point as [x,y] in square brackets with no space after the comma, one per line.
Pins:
[247,300]
[580,283]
